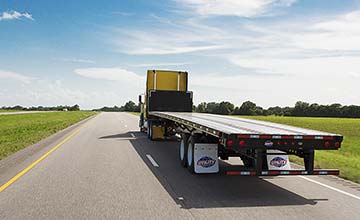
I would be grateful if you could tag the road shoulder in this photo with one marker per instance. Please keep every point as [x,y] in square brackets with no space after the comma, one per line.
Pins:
[19,160]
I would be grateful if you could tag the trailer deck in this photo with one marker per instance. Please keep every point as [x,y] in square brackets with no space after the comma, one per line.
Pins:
[217,124]
[241,134]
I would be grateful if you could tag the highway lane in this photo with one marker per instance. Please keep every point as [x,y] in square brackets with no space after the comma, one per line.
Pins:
[105,171]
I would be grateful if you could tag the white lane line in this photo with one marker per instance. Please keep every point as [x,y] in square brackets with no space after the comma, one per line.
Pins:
[132,135]
[152,160]
[330,187]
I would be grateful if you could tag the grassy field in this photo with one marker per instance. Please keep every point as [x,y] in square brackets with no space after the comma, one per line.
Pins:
[347,159]
[4,110]
[20,131]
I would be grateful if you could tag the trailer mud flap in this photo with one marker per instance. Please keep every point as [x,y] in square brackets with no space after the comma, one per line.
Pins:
[206,158]
[278,162]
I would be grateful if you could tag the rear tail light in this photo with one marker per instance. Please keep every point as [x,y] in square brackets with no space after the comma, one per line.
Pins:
[327,144]
[337,144]
[230,143]
[242,143]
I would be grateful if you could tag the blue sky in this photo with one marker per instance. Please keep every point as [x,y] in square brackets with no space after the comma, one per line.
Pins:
[96,53]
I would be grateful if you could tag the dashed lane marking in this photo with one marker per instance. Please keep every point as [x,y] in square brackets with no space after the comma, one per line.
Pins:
[153,162]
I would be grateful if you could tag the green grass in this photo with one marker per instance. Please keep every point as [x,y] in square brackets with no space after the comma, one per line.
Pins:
[4,110]
[20,131]
[135,113]
[347,159]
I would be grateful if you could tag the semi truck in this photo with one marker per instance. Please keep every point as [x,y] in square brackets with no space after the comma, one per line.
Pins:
[204,139]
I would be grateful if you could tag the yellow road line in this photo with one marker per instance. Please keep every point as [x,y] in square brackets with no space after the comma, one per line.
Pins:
[27,169]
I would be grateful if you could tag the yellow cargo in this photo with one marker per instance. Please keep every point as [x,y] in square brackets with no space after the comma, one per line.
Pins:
[166,80]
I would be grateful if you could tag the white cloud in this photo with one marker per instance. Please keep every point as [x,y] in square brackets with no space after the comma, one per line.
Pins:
[330,47]
[162,42]
[148,65]
[11,15]
[310,59]
[76,60]
[176,37]
[113,74]
[47,92]
[241,8]
[15,76]
[122,13]
[339,33]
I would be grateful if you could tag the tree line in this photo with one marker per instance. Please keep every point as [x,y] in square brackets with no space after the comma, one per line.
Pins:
[250,108]
[300,109]
[75,107]
[227,108]
[129,106]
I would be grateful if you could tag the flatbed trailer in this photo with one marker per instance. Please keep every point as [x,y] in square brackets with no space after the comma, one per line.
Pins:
[247,137]
[204,138]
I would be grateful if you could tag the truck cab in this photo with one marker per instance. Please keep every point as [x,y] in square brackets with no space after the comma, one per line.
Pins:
[166,91]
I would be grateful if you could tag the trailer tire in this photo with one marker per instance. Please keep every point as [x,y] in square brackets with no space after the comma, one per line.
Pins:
[183,149]
[149,130]
[190,153]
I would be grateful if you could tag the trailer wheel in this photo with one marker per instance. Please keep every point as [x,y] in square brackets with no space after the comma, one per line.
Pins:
[149,130]
[190,153]
[183,149]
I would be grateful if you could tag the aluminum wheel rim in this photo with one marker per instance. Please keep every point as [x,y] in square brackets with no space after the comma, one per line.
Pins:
[182,149]
[189,155]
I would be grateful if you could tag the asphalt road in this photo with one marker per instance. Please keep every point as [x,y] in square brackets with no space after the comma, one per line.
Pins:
[104,171]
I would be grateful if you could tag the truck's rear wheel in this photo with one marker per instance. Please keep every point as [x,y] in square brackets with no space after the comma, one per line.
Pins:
[183,149]
[149,130]
[190,153]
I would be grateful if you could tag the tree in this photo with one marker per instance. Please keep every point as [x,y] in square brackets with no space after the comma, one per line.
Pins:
[334,110]
[225,108]
[201,107]
[278,111]
[74,108]
[212,107]
[247,108]
[301,108]
[130,106]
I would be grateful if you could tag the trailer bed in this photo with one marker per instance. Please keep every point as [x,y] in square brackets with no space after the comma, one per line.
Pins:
[254,138]
[212,123]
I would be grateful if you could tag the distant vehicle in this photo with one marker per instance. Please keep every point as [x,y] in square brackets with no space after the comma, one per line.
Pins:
[166,111]
[65,109]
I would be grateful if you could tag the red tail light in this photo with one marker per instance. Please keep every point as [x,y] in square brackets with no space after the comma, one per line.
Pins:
[337,144]
[242,143]
[327,144]
[230,143]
